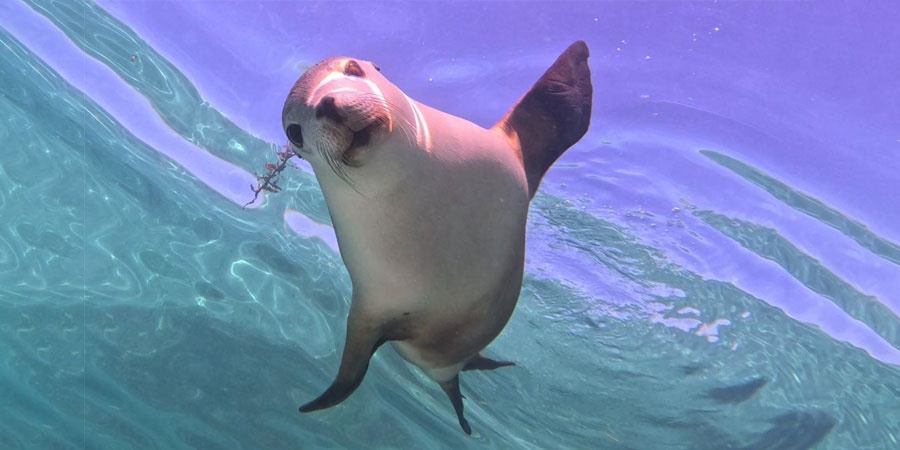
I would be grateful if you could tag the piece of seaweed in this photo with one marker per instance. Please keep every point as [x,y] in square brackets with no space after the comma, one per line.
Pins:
[269,181]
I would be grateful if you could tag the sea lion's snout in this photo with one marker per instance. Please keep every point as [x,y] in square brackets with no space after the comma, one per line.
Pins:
[354,116]
[339,92]
[355,109]
[338,121]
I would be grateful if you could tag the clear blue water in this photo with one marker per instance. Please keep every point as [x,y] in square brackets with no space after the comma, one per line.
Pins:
[715,265]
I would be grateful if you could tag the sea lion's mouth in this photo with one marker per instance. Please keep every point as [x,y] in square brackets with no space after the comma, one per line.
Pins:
[361,138]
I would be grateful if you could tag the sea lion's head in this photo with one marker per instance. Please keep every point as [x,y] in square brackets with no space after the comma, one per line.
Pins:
[338,112]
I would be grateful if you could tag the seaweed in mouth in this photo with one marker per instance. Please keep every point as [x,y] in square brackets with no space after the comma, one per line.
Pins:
[269,181]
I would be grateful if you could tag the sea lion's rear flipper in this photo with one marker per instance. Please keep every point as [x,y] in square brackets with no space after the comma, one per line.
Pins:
[552,115]
[482,363]
[451,388]
[362,341]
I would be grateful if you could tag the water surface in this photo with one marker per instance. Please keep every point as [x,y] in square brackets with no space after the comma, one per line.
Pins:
[713,266]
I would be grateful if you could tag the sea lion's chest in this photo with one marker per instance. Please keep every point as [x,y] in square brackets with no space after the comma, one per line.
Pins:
[447,230]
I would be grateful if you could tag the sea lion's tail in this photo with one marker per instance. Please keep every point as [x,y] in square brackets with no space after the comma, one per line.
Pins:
[552,115]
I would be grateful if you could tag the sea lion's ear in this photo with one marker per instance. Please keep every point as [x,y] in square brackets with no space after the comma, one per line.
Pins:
[552,115]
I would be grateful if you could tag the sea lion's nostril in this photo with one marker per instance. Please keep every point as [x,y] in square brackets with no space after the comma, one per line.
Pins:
[327,108]
[352,69]
[295,135]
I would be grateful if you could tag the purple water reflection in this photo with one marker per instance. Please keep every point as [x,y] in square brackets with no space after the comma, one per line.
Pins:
[802,91]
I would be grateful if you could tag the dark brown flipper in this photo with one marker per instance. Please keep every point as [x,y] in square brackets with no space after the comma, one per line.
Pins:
[553,114]
[451,388]
[362,341]
[482,363]
[364,336]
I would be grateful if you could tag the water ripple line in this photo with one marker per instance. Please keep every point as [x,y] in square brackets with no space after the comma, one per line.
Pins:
[810,206]
[767,243]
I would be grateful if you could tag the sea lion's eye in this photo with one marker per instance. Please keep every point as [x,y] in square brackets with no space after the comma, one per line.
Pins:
[376,67]
[295,135]
[352,69]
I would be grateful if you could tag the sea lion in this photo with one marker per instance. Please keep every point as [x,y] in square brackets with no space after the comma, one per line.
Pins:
[429,209]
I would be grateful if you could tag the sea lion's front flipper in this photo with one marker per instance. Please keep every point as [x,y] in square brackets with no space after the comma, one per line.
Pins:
[363,338]
[553,114]
[451,388]
[482,363]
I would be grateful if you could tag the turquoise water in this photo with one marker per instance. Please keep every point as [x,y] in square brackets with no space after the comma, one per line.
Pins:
[141,307]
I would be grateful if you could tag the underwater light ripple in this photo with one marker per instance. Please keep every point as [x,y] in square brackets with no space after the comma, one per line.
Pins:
[119,99]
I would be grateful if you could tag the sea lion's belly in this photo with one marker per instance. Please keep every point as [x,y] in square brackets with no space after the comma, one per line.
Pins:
[441,341]
[436,245]
[444,247]
[447,231]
